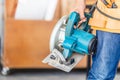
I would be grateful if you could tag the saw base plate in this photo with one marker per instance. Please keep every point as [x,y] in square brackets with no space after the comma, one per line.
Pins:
[55,57]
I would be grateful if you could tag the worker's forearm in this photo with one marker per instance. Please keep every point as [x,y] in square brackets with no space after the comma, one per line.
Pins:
[80,6]
[81,2]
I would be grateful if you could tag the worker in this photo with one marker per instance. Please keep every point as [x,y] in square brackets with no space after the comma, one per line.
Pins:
[106,22]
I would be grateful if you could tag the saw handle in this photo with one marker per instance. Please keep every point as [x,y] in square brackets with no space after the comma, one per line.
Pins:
[73,20]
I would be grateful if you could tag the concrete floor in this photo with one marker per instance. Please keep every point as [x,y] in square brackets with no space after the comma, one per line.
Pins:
[48,75]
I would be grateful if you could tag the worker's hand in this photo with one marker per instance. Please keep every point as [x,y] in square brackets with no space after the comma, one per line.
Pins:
[80,8]
[82,18]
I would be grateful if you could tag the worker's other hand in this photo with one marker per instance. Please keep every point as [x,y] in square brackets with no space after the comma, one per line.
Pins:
[80,8]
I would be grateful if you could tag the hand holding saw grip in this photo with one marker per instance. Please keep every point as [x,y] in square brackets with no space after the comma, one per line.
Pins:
[73,20]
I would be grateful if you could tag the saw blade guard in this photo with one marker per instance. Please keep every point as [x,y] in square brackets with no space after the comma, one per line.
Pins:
[58,34]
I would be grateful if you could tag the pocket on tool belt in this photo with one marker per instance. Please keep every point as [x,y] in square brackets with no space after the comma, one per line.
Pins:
[111,23]
[103,21]
[98,20]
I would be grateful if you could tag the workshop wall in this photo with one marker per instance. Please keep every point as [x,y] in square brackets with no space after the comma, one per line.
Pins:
[1,15]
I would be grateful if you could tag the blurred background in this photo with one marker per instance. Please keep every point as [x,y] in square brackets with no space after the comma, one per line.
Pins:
[25,29]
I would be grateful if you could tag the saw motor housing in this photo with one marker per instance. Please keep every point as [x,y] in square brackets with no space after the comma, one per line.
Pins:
[79,40]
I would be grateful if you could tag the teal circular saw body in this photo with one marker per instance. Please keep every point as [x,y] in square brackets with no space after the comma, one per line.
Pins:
[78,40]
[68,45]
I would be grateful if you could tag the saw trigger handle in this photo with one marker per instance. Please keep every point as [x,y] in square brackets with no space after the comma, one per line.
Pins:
[73,20]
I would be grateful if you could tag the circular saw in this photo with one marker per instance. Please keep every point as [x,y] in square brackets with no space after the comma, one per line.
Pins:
[68,45]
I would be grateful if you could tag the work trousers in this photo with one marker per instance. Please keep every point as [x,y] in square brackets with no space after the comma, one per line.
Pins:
[106,58]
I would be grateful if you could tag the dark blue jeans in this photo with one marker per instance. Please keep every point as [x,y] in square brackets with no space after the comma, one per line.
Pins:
[106,58]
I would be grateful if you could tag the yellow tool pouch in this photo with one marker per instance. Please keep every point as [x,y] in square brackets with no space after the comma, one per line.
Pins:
[102,22]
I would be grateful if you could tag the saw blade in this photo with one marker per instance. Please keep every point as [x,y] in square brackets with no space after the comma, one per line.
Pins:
[56,59]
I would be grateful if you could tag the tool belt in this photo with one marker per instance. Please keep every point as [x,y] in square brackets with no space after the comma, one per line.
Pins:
[109,4]
[106,19]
